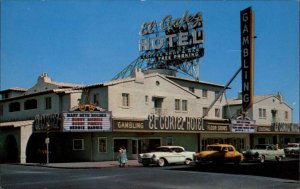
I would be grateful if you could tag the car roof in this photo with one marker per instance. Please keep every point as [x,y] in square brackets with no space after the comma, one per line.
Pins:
[170,146]
[222,145]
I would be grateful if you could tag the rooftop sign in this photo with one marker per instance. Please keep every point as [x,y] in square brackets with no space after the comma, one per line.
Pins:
[173,39]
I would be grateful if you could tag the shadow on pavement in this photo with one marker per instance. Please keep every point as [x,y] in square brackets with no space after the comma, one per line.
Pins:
[283,170]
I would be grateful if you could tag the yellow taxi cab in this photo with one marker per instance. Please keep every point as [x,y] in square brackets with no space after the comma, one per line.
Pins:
[218,153]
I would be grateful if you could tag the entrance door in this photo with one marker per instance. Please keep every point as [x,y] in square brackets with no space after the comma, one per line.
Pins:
[134,147]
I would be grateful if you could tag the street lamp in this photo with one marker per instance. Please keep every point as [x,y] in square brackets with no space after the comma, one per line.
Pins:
[47,141]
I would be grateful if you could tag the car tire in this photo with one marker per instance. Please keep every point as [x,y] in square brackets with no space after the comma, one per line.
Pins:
[262,160]
[278,158]
[237,161]
[161,162]
[187,161]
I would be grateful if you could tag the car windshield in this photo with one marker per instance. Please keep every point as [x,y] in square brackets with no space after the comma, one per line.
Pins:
[162,149]
[292,145]
[261,147]
[214,148]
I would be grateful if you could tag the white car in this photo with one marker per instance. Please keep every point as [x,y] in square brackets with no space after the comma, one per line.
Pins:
[164,155]
[292,149]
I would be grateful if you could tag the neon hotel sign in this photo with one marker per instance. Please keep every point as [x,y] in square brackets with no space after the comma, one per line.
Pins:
[181,32]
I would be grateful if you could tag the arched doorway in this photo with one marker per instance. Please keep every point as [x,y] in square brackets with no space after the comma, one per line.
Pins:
[11,150]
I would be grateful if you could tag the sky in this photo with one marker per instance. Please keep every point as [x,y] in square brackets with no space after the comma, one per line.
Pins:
[90,41]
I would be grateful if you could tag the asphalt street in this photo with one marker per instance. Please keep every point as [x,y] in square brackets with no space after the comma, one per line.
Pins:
[170,177]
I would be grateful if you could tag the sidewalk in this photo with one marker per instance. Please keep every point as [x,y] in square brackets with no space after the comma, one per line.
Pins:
[88,165]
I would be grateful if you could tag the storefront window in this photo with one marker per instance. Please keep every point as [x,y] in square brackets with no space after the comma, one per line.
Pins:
[169,141]
[78,144]
[102,141]
[118,143]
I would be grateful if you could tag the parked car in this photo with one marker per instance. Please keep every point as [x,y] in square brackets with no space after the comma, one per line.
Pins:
[292,149]
[218,153]
[262,152]
[165,155]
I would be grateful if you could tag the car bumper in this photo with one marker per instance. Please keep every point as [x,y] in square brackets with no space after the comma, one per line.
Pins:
[251,158]
[148,161]
[202,160]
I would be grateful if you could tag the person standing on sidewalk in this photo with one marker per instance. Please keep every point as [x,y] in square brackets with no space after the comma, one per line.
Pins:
[123,157]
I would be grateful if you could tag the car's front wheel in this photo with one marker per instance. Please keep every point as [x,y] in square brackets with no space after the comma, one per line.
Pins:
[278,158]
[162,162]
[187,161]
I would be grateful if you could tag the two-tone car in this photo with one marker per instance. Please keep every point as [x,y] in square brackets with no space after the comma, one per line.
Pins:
[262,152]
[165,155]
[219,154]
[292,149]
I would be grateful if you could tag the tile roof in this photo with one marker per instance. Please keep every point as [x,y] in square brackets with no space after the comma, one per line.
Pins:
[255,100]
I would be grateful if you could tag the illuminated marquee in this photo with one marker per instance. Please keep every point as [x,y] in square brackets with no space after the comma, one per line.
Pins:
[174,39]
[86,122]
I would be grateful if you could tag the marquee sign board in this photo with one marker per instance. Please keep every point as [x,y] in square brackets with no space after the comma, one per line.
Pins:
[247,52]
[169,124]
[243,126]
[43,121]
[87,122]
[174,39]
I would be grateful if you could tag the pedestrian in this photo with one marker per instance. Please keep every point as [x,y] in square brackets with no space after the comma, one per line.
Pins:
[119,156]
[123,157]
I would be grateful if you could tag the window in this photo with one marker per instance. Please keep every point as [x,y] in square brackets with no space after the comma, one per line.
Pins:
[262,113]
[177,104]
[1,109]
[96,99]
[102,144]
[30,104]
[169,141]
[217,112]
[14,107]
[125,99]
[205,110]
[48,103]
[230,149]
[286,115]
[146,99]
[204,93]
[216,94]
[78,144]
[184,105]
[261,141]
[192,89]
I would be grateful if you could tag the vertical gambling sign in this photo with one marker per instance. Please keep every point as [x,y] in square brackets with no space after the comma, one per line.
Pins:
[247,54]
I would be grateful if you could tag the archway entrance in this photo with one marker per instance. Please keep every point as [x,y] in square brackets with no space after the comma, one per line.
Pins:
[11,149]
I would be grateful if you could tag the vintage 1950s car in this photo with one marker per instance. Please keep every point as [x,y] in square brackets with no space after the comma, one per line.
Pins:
[262,152]
[218,153]
[292,149]
[164,155]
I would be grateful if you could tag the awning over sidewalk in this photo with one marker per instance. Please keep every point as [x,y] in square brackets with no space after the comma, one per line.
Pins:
[16,123]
